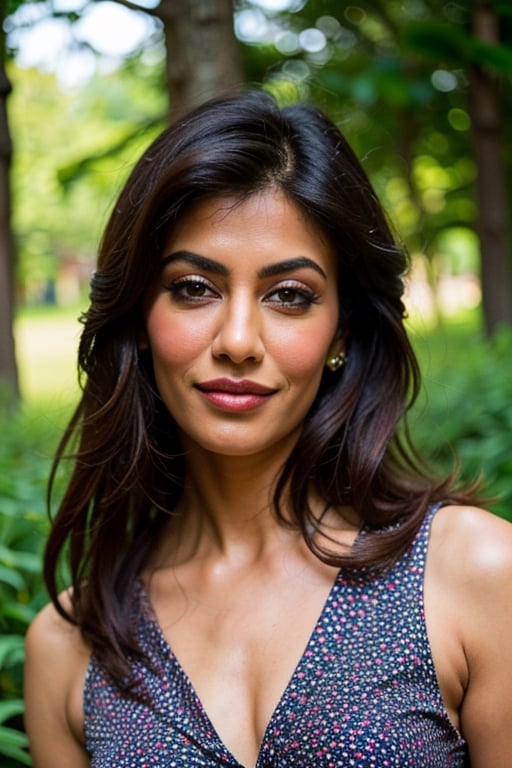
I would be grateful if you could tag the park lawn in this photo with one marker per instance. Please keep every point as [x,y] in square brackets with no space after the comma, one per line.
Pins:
[46,346]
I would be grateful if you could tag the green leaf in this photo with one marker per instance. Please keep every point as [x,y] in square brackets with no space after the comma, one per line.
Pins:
[12,578]
[73,172]
[27,561]
[497,57]
[11,651]
[11,737]
[450,44]
[442,42]
[10,709]
[13,744]
[503,8]
[18,612]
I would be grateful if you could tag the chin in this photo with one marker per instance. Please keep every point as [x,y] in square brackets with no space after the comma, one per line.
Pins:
[232,446]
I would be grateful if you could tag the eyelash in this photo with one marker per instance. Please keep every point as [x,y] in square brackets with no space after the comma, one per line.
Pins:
[305,296]
[178,287]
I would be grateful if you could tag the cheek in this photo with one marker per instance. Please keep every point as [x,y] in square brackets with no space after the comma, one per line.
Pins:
[303,352]
[174,340]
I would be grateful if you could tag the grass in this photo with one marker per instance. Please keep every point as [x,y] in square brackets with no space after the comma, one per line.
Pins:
[46,343]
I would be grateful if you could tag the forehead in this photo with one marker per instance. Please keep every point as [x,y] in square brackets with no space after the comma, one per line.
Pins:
[266,224]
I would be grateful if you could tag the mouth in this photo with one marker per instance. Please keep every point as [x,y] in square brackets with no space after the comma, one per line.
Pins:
[235,395]
[235,387]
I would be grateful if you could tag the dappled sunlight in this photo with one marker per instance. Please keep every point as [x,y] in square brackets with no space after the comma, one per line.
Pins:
[46,347]
[451,294]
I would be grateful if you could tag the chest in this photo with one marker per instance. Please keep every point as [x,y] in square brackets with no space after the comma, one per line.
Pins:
[240,647]
[357,689]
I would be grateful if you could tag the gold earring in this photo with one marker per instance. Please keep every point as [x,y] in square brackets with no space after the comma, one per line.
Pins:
[335,362]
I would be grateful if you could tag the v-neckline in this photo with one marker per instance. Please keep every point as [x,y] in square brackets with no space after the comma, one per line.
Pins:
[166,646]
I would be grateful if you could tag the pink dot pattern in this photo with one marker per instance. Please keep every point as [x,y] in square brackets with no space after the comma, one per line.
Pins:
[364,693]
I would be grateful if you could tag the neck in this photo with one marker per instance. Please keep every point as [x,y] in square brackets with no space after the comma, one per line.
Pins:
[226,511]
[227,505]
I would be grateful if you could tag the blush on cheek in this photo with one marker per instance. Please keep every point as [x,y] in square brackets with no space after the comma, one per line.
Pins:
[306,355]
[178,343]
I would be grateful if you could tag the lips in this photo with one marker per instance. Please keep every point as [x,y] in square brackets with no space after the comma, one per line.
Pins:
[235,387]
[236,395]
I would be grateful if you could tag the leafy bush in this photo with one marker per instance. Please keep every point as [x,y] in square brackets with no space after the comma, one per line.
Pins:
[25,450]
[465,410]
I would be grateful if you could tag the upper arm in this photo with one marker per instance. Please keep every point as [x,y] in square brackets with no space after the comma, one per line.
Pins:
[486,570]
[55,664]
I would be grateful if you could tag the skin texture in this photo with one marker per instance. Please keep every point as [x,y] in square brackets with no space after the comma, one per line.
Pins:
[241,317]
[202,325]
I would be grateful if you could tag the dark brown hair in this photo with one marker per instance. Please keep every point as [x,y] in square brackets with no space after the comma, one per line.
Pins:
[128,469]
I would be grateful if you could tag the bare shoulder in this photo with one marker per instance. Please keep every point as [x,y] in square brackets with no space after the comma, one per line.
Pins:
[470,571]
[55,667]
[51,637]
[49,627]
[474,544]
[470,556]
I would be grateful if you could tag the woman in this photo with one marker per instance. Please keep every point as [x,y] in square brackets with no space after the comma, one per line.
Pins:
[262,572]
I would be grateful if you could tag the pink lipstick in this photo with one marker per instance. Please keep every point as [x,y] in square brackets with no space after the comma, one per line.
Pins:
[236,395]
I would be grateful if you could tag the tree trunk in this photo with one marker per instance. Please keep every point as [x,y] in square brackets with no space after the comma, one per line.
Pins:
[8,369]
[203,55]
[489,147]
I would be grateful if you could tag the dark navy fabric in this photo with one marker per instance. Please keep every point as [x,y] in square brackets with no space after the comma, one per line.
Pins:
[364,693]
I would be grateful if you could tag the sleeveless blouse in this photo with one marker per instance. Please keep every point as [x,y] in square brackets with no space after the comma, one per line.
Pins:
[364,693]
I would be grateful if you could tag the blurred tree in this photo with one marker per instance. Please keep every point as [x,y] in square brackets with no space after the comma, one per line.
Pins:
[203,56]
[202,53]
[486,110]
[8,368]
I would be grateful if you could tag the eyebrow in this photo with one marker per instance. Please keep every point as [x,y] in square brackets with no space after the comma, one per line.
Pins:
[300,262]
[201,262]
[210,265]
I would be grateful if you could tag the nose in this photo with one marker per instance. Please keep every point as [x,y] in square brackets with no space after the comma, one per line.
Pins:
[239,335]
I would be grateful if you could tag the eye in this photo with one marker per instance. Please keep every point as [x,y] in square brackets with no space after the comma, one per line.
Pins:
[291,297]
[191,290]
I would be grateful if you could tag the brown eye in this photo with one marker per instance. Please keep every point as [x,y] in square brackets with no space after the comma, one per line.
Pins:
[291,298]
[287,295]
[195,289]
[189,290]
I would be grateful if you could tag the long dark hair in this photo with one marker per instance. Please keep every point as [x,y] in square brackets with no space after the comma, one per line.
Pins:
[128,468]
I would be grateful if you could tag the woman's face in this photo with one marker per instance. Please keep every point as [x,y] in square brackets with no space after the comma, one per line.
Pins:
[241,321]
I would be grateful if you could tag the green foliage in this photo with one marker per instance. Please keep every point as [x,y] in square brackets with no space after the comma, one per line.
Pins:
[449,43]
[25,450]
[465,411]
[13,742]
[59,211]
